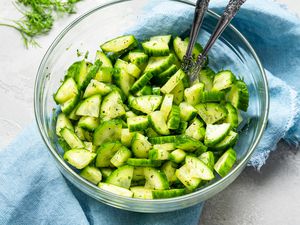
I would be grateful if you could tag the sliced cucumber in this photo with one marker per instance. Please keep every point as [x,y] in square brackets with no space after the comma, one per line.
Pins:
[227,142]
[169,169]
[151,133]
[162,38]
[138,174]
[156,47]
[66,91]
[96,87]
[177,156]
[71,138]
[223,80]
[178,93]
[180,48]
[225,162]
[143,162]
[108,131]
[80,133]
[141,82]
[115,189]
[166,146]
[208,158]
[216,133]
[187,111]
[232,116]
[206,76]
[182,127]
[146,90]
[106,172]
[239,95]
[90,106]
[157,194]
[91,174]
[158,123]
[141,192]
[63,122]
[91,73]
[104,59]
[163,139]
[123,80]
[188,144]
[121,156]
[79,158]
[68,106]
[174,118]
[156,91]
[212,96]
[163,77]
[112,106]
[158,154]
[198,168]
[137,123]
[140,146]
[166,105]
[121,177]
[185,177]
[105,152]
[89,146]
[211,112]
[126,137]
[155,179]
[157,65]
[146,104]
[193,94]
[73,70]
[104,74]
[88,123]
[172,82]
[130,68]
[120,45]
[196,130]
[140,59]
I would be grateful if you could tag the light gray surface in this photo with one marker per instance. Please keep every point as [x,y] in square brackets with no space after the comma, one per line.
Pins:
[269,197]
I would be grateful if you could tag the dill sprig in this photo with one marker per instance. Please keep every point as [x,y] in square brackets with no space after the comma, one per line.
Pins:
[38,17]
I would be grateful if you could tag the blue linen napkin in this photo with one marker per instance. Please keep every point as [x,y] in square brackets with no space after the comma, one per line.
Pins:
[32,190]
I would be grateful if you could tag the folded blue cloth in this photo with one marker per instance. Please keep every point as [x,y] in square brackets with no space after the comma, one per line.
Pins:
[32,190]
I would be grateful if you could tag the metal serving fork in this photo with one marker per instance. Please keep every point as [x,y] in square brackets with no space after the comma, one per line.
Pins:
[193,69]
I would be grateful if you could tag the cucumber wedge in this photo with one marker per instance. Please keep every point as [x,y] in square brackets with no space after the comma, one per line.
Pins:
[198,168]
[155,179]
[188,144]
[115,189]
[156,47]
[172,82]
[105,152]
[232,116]
[120,45]
[79,158]
[66,91]
[88,123]
[112,106]
[121,156]
[123,80]
[141,82]
[63,122]
[180,47]
[169,169]
[121,177]
[193,95]
[239,95]
[91,174]
[141,192]
[108,131]
[71,138]
[223,80]
[174,118]
[211,112]
[146,104]
[208,158]
[177,156]
[158,123]
[185,177]
[206,76]
[187,111]
[103,59]
[140,146]
[90,106]
[216,133]
[227,142]
[143,162]
[166,105]
[225,162]
[157,194]
[138,123]
[96,87]
[158,64]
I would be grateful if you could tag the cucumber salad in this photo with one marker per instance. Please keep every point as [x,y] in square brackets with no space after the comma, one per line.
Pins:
[131,123]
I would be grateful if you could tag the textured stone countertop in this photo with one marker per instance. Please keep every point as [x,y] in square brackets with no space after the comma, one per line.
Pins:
[268,197]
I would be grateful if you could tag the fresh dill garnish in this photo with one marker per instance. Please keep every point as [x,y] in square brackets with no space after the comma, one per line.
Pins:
[38,17]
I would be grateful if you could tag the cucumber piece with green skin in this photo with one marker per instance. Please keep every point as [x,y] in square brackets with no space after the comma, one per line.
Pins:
[104,59]
[120,44]
[88,123]
[107,131]
[91,174]
[177,156]
[138,174]
[180,47]
[211,112]
[173,81]
[146,90]
[162,38]
[151,133]
[227,142]
[89,146]
[166,146]
[156,47]
[79,133]
[184,176]
[166,105]
[96,87]
[105,152]
[223,80]
[158,64]
[216,133]
[178,93]
[187,111]
[196,130]
[88,135]
[63,121]
[158,123]
[79,158]
[206,76]
[115,189]
[141,82]
[106,172]
[126,137]
[174,118]
[140,59]
[72,115]
[238,95]
[137,123]
[82,72]
[112,106]
[121,177]
[121,156]
[91,73]
[232,116]
[169,169]
[140,146]
[212,96]
[130,114]
[188,144]
[208,158]
[68,106]
[71,138]
[66,91]
[158,154]
[225,162]
[143,162]
[104,74]
[63,144]
[163,139]
[155,179]
[141,192]
[130,68]
[73,70]
[182,127]
[163,77]
[158,194]
[90,106]
[193,94]
[146,104]
[198,168]
[123,80]
[156,90]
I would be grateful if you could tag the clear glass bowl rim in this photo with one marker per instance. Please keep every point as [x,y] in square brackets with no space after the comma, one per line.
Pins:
[94,189]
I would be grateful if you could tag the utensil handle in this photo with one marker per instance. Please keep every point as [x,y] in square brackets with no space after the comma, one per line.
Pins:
[231,9]
[201,8]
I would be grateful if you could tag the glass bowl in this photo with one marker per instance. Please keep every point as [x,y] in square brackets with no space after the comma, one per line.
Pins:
[144,18]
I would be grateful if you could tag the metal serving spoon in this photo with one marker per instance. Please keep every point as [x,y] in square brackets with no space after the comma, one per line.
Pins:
[230,11]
